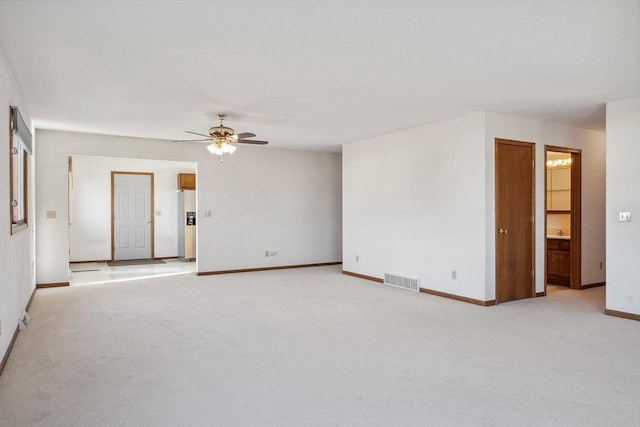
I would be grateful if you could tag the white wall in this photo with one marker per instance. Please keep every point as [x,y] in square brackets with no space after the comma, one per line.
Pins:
[414,205]
[592,144]
[623,194]
[421,202]
[90,230]
[261,198]
[17,251]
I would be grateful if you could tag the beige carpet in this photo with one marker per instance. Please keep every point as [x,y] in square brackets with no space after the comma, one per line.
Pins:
[312,347]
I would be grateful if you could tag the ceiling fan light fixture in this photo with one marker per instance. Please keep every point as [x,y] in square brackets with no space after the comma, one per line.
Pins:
[229,148]
[221,147]
[215,149]
[221,139]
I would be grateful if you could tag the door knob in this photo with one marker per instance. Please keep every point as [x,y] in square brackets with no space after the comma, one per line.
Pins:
[148,221]
[503,231]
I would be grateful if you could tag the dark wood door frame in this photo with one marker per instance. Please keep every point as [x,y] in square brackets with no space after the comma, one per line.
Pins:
[153,223]
[499,209]
[575,248]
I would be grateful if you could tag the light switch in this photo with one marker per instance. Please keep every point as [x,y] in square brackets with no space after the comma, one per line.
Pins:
[207,214]
[158,213]
[51,214]
[624,216]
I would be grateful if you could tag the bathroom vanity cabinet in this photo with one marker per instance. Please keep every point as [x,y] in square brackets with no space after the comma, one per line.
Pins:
[558,251]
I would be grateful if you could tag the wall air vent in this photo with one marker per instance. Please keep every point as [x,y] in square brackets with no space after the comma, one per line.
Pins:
[402,282]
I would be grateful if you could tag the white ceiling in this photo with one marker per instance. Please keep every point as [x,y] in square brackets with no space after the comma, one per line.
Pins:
[317,74]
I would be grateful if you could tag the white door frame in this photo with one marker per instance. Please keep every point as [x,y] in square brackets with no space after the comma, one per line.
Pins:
[113,174]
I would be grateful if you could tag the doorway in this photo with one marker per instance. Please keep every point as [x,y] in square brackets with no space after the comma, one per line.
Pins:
[563,258]
[132,230]
[515,219]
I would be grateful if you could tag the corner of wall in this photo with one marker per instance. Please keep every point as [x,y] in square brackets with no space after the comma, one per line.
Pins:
[622,194]
[16,251]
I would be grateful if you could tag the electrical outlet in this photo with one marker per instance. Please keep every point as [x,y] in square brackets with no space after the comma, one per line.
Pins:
[601,265]
[357,258]
[624,216]
[51,214]
[266,253]
[272,253]
[454,274]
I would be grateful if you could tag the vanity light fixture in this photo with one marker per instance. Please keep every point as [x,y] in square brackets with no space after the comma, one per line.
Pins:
[559,163]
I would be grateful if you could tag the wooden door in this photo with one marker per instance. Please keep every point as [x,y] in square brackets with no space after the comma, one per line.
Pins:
[515,196]
[132,215]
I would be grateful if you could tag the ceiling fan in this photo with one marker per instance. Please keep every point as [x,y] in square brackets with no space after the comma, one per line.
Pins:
[221,138]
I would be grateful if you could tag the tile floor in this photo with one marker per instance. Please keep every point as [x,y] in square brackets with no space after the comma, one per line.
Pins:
[106,274]
[556,288]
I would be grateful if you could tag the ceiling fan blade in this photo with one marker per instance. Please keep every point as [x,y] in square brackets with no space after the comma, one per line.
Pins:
[200,134]
[251,141]
[245,135]
[192,140]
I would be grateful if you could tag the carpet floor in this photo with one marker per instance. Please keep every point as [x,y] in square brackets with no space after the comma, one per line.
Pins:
[312,347]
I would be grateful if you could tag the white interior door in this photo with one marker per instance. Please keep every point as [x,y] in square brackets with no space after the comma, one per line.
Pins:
[132,229]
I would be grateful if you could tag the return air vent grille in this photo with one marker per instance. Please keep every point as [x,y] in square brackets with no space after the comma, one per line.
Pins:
[402,282]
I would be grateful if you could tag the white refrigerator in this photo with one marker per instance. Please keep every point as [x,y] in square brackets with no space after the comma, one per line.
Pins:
[187,225]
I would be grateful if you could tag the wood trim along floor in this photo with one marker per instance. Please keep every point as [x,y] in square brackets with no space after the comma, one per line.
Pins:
[458,297]
[593,285]
[541,294]
[8,352]
[427,291]
[622,314]
[51,285]
[99,261]
[104,261]
[5,358]
[33,294]
[281,267]
[362,276]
